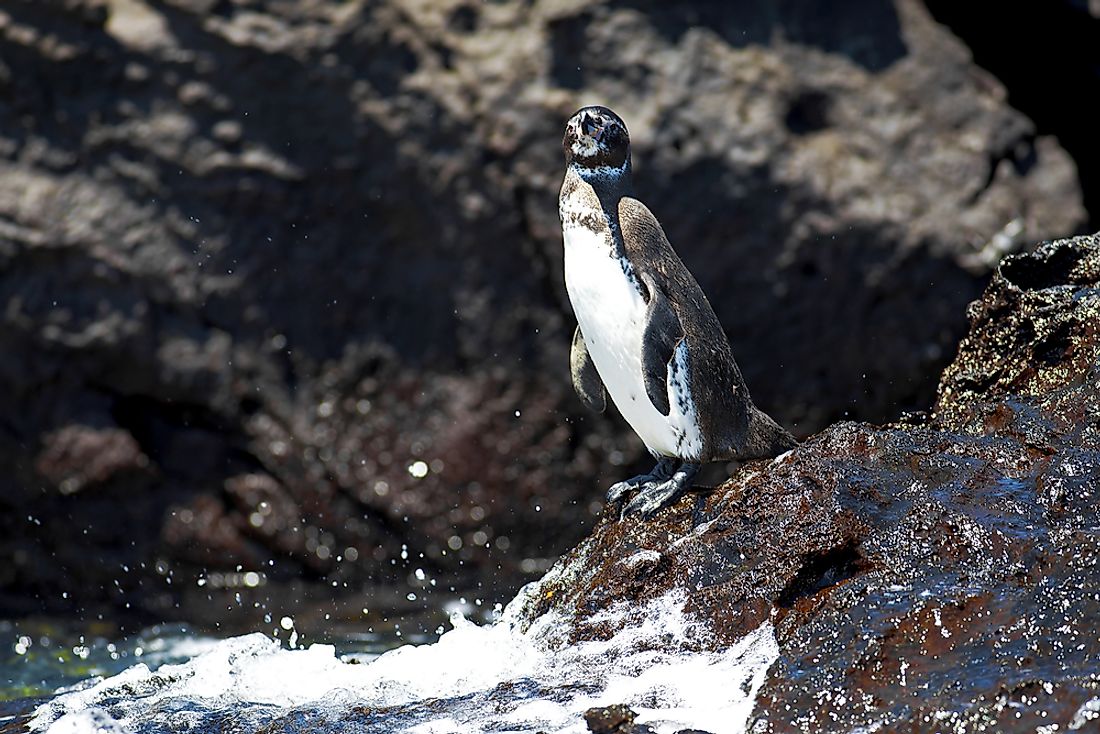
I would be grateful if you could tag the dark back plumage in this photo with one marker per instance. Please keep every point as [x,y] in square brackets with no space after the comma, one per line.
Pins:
[723,403]
[731,426]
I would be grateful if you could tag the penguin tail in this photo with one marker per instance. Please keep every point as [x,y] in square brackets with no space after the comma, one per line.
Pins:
[766,438]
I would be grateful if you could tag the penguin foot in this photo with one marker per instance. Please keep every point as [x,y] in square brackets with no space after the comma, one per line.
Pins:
[656,496]
[661,473]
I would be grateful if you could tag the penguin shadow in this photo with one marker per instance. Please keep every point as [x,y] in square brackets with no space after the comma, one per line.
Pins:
[711,477]
[697,498]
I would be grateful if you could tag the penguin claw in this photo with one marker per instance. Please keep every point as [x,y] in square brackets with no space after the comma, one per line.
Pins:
[647,504]
[657,495]
[642,483]
[619,490]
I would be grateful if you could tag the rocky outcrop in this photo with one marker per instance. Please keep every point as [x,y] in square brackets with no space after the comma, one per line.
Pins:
[281,286]
[943,569]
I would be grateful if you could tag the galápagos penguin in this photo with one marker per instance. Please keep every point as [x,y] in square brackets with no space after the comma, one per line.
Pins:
[646,333]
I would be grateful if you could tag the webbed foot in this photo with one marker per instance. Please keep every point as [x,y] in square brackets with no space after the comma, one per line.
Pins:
[661,473]
[656,496]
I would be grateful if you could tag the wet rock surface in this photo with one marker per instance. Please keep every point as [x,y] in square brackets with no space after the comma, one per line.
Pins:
[617,719]
[281,285]
[935,573]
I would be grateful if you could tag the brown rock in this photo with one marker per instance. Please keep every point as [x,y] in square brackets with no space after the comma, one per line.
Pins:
[75,457]
[609,719]
[913,573]
[316,242]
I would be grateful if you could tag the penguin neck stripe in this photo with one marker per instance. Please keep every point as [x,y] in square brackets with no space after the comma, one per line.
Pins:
[600,172]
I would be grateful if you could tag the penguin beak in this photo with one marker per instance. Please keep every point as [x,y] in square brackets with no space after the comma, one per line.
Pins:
[590,127]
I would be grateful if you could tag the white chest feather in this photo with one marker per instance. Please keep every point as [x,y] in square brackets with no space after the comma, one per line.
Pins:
[612,317]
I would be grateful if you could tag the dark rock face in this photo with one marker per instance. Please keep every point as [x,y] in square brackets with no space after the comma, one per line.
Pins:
[1060,38]
[281,282]
[937,573]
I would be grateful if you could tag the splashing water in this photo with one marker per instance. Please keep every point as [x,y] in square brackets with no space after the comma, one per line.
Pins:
[492,678]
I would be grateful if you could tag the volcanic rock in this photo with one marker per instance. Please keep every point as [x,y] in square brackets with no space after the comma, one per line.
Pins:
[295,268]
[935,573]
[617,719]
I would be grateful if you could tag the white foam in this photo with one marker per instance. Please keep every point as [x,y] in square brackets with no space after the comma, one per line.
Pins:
[656,664]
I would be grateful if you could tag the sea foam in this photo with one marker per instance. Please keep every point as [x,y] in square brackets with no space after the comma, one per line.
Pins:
[475,678]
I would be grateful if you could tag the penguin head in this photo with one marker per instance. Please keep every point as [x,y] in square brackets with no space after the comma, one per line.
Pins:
[596,139]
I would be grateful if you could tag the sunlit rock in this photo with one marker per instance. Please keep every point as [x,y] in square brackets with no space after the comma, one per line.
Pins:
[943,569]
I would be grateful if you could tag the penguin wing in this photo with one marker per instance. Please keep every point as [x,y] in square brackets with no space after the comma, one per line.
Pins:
[656,264]
[662,334]
[586,381]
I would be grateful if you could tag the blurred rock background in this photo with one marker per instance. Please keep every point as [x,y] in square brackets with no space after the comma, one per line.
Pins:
[281,302]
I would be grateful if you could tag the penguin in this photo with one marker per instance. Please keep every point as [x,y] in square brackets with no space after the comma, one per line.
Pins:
[646,334]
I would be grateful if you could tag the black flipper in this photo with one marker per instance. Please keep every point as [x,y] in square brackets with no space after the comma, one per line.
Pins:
[662,333]
[586,381]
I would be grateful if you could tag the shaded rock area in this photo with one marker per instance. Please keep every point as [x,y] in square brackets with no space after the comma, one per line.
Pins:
[1060,38]
[282,306]
[936,574]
